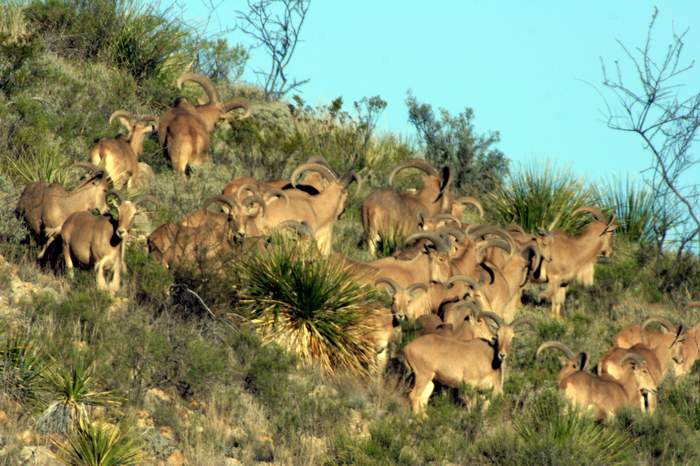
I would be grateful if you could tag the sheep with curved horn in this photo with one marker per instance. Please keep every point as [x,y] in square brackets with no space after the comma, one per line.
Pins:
[184,130]
[603,395]
[45,207]
[452,362]
[573,258]
[119,156]
[387,212]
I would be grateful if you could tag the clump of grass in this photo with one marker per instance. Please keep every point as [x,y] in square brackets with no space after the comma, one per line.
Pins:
[21,368]
[74,392]
[99,444]
[634,207]
[310,305]
[551,433]
[12,23]
[540,198]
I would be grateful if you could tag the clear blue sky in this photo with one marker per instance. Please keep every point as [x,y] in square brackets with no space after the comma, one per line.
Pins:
[521,65]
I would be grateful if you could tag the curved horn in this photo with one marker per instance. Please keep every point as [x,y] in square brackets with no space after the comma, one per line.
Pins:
[463,278]
[477,231]
[254,199]
[595,211]
[473,201]
[279,193]
[300,227]
[452,231]
[349,178]
[203,81]
[475,308]
[440,244]
[395,287]
[249,187]
[493,316]
[446,217]
[413,163]
[557,345]
[220,198]
[319,159]
[523,321]
[660,320]
[322,169]
[515,228]
[634,357]
[149,118]
[495,243]
[238,102]
[123,115]
[417,286]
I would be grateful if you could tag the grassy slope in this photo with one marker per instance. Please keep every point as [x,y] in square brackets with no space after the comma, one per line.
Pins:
[197,385]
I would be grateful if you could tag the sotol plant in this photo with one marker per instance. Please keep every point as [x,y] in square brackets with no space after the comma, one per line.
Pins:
[310,305]
[99,444]
[540,198]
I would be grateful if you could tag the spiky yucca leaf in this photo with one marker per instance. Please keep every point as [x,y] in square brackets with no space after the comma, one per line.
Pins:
[72,391]
[540,198]
[311,305]
[99,444]
[634,207]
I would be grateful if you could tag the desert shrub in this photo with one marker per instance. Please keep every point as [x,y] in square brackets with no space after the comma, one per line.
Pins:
[21,367]
[683,396]
[131,34]
[660,439]
[479,167]
[444,436]
[100,444]
[540,198]
[310,305]
[151,280]
[549,433]
[12,230]
[220,61]
[634,207]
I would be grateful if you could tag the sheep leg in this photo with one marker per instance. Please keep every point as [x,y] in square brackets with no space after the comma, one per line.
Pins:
[116,277]
[421,392]
[68,260]
[100,270]
[49,240]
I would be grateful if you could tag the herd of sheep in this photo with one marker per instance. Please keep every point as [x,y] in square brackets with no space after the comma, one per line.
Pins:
[462,282]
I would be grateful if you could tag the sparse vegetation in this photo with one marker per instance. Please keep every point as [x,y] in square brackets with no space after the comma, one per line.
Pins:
[230,359]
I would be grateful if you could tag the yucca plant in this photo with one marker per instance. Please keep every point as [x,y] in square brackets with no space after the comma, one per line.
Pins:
[72,391]
[309,304]
[552,433]
[390,241]
[99,444]
[21,367]
[540,198]
[633,205]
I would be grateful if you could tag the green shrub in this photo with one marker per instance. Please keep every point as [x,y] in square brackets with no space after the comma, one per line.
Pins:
[551,433]
[130,34]
[310,305]
[151,280]
[540,198]
[478,166]
[21,367]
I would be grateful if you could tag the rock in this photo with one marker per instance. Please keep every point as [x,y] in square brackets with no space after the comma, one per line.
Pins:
[29,437]
[40,456]
[176,458]
[158,444]
[232,462]
[167,432]
[263,450]
[3,417]
[144,419]
[154,398]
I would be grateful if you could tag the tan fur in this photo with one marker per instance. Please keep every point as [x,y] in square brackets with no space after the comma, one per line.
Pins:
[98,241]
[46,207]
